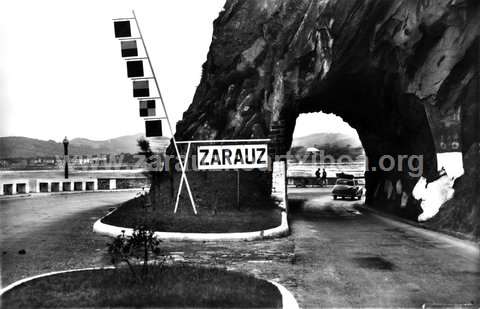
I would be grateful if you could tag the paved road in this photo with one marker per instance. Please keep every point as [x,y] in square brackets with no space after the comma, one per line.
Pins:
[356,259]
[55,232]
[336,255]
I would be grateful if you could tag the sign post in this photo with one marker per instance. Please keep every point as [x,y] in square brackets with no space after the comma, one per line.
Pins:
[238,189]
[183,178]
[232,155]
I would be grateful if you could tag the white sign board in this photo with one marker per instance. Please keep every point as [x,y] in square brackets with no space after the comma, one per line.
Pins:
[232,157]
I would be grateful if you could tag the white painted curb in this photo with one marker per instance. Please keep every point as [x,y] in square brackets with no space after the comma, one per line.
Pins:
[279,231]
[25,280]
[288,300]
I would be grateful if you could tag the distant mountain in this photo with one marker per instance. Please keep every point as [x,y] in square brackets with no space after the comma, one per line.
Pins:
[322,139]
[24,147]
[336,145]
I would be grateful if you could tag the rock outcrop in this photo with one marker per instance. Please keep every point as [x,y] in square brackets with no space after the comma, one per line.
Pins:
[403,73]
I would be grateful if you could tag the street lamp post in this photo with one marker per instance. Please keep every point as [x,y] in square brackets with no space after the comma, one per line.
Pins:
[65,154]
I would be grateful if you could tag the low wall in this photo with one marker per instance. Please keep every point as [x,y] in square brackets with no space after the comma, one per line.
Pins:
[66,185]
[300,181]
[17,186]
[122,183]
[49,185]
[131,183]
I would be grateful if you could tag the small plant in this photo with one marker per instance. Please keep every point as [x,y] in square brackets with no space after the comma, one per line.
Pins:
[136,247]
[145,150]
[153,162]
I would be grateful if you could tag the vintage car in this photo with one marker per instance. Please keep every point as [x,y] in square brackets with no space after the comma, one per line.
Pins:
[345,187]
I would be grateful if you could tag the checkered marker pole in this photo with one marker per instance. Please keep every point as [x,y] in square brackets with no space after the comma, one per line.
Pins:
[141,86]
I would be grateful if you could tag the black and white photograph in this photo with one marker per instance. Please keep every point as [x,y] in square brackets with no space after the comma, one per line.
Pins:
[240,154]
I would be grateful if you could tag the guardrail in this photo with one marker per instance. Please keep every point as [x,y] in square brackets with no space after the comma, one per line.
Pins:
[52,185]
[313,181]
[325,164]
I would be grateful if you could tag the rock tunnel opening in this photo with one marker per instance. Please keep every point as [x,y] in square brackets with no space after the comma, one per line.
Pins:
[324,142]
[393,129]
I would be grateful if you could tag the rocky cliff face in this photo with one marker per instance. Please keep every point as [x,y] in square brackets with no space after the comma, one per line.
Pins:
[403,73]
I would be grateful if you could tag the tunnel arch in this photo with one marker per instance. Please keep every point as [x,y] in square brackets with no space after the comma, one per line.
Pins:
[387,124]
[327,140]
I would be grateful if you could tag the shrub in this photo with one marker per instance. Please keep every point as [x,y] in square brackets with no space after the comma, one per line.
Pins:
[139,247]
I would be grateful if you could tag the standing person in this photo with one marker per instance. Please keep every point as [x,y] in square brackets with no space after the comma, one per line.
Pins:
[317,175]
[324,177]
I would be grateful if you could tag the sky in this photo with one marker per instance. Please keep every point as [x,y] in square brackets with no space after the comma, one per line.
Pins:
[61,71]
[321,122]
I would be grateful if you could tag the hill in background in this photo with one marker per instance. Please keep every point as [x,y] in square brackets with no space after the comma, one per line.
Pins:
[24,147]
[323,139]
[334,144]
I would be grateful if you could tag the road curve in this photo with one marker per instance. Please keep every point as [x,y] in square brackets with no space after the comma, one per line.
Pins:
[54,231]
[347,258]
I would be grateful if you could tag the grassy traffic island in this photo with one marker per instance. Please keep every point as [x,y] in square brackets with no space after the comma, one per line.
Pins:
[215,196]
[165,286]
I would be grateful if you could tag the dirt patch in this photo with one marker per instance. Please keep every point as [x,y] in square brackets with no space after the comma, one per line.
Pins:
[374,262]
